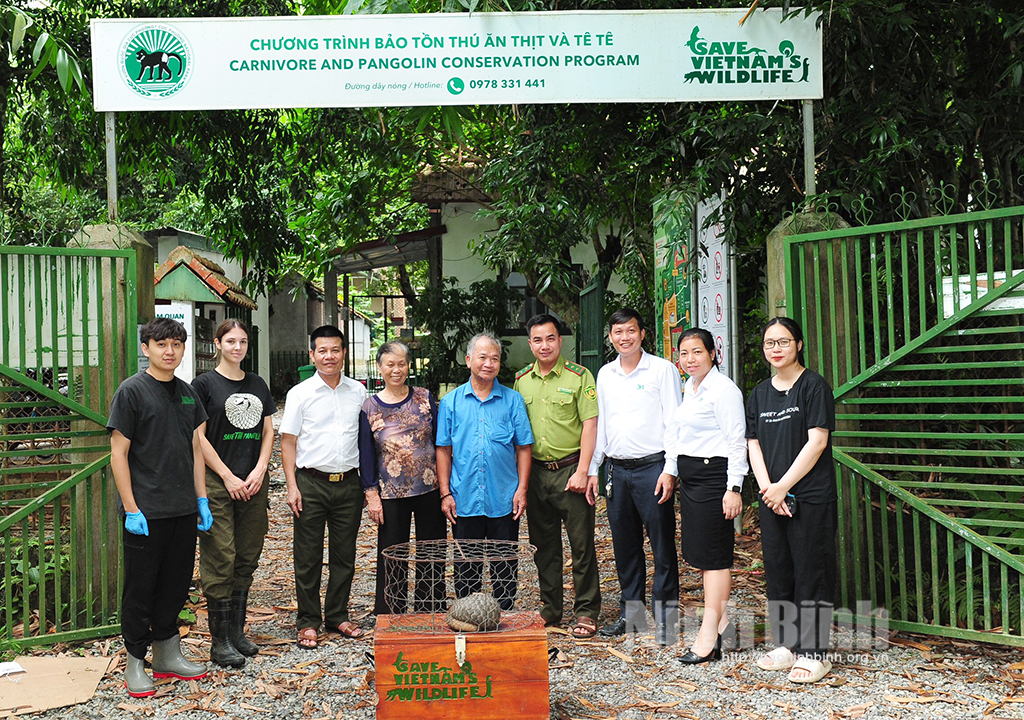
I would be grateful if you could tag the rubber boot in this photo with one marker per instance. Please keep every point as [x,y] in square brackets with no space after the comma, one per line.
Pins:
[169,662]
[222,651]
[139,684]
[236,624]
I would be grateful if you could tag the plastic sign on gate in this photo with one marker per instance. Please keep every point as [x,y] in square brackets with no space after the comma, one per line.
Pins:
[454,59]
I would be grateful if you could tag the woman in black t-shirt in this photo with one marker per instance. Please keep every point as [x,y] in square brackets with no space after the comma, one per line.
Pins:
[790,419]
[237,440]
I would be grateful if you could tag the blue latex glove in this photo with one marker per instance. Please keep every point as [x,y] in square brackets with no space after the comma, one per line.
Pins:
[135,523]
[205,516]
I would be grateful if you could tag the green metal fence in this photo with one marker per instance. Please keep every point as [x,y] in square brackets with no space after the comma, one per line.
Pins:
[590,331]
[919,326]
[68,321]
[284,370]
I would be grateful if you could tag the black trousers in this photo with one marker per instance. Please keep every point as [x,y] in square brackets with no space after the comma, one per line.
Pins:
[800,575]
[393,576]
[157,575]
[504,575]
[632,509]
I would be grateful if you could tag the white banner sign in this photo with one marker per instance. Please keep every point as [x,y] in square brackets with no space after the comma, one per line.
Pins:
[713,311]
[454,59]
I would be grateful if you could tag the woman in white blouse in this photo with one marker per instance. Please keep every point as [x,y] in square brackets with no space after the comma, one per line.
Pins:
[708,433]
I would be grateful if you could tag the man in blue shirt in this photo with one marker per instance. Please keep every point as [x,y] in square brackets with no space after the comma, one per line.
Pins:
[483,465]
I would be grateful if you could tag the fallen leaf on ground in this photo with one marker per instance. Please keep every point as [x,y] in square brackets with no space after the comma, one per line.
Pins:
[903,642]
[620,655]
[854,711]
[911,700]
[184,708]
[648,703]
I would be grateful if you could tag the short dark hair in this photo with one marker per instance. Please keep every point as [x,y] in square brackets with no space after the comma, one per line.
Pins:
[705,338]
[392,347]
[623,316]
[162,328]
[795,331]
[327,331]
[543,319]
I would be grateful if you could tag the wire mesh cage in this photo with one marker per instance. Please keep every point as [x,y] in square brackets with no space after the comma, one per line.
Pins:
[445,586]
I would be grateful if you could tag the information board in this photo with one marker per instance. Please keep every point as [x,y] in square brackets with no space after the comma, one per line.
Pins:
[454,59]
[673,290]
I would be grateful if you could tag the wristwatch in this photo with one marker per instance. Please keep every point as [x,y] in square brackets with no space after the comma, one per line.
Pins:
[735,488]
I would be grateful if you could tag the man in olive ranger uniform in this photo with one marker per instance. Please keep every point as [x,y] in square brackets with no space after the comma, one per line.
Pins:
[562,405]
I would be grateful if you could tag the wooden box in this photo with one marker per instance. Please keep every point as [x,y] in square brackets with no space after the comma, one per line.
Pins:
[505,674]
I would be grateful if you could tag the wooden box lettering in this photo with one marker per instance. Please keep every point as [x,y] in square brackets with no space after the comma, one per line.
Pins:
[505,674]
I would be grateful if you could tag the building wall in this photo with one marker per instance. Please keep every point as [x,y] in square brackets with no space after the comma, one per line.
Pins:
[289,324]
[457,260]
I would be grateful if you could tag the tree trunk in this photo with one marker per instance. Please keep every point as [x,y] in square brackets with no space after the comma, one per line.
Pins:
[408,292]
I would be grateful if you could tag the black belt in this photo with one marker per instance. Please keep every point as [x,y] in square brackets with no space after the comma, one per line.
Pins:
[631,463]
[329,477]
[559,464]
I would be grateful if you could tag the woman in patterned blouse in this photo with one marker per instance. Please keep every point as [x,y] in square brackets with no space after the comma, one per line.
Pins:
[399,476]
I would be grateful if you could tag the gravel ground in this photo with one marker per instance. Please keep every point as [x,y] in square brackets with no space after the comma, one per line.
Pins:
[911,676]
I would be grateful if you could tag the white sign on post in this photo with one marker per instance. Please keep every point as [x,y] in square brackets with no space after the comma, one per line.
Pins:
[713,303]
[454,59]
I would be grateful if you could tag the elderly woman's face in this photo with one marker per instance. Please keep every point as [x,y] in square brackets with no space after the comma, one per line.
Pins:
[394,368]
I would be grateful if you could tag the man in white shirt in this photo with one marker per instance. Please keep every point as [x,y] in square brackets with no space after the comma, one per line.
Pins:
[636,396]
[320,455]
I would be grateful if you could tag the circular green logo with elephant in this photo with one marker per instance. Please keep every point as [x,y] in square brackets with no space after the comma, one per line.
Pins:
[156,61]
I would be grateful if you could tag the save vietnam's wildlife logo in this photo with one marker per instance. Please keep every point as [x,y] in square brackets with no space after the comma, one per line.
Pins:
[156,61]
[740,63]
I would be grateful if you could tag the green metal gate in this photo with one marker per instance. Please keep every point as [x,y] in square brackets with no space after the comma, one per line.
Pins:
[919,326]
[67,339]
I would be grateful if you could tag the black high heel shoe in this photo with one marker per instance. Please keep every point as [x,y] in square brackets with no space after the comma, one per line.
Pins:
[692,658]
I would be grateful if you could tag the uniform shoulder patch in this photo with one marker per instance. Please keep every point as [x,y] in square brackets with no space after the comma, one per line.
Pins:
[525,370]
[574,368]
[590,392]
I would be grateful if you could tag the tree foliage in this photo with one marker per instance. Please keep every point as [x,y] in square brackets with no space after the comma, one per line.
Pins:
[916,95]
[451,316]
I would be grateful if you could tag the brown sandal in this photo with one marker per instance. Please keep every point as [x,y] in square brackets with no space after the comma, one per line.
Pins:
[307,639]
[584,627]
[348,629]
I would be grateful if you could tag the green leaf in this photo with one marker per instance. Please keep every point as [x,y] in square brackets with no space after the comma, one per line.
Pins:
[63,71]
[76,73]
[41,43]
[46,60]
[21,24]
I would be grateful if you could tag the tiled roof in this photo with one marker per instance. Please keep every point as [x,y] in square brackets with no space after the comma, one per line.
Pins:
[209,272]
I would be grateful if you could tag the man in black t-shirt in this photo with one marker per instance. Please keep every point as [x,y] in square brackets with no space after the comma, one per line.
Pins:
[161,480]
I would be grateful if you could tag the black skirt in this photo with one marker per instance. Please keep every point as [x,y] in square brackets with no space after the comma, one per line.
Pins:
[707,537]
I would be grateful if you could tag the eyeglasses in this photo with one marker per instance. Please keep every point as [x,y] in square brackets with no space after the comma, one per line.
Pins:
[782,343]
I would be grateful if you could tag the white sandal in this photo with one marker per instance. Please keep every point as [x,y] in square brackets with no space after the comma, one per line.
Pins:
[778,659]
[817,669]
